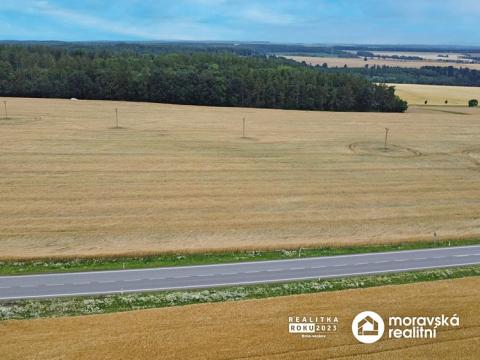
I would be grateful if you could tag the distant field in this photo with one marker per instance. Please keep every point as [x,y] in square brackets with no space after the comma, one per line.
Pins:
[436,56]
[354,62]
[182,178]
[436,94]
[255,328]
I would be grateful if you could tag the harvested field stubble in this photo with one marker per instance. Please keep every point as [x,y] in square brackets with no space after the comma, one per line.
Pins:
[360,62]
[182,178]
[417,94]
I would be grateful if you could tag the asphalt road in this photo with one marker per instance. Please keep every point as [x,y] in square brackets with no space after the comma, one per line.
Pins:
[186,277]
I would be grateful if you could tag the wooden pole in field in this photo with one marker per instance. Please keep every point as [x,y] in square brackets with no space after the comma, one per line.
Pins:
[5,104]
[243,133]
[386,138]
[116,117]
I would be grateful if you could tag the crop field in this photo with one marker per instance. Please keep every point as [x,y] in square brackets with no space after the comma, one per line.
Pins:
[436,94]
[182,178]
[358,62]
[436,56]
[256,328]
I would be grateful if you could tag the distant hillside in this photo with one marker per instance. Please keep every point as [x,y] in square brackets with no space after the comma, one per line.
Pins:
[162,47]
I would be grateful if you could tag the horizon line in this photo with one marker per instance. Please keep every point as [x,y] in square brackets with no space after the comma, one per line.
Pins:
[246,42]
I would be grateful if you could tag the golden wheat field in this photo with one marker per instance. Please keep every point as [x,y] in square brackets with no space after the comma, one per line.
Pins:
[436,94]
[256,329]
[360,62]
[437,56]
[177,178]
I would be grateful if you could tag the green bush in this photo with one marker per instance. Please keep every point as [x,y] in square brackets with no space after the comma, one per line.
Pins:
[473,103]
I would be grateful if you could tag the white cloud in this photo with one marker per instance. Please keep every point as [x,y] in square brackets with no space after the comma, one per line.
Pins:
[88,21]
[253,11]
[279,20]
[266,16]
[177,28]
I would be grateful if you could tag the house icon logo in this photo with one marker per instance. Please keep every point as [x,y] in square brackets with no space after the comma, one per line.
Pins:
[368,327]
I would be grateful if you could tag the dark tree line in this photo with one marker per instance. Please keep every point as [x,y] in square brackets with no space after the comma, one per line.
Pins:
[411,48]
[162,47]
[427,75]
[199,78]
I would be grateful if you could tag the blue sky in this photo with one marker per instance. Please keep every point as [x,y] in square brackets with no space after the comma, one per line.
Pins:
[310,21]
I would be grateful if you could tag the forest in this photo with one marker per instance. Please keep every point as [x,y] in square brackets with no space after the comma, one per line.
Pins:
[427,75]
[215,78]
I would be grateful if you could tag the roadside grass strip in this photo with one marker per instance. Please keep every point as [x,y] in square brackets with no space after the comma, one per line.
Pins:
[57,265]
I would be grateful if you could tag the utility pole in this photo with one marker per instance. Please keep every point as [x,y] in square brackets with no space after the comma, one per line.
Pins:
[243,133]
[386,138]
[5,104]
[116,117]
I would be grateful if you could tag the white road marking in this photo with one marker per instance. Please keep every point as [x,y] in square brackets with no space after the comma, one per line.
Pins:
[241,269]
[235,283]
[306,259]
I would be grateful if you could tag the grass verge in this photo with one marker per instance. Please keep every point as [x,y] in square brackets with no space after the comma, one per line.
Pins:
[28,309]
[117,263]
